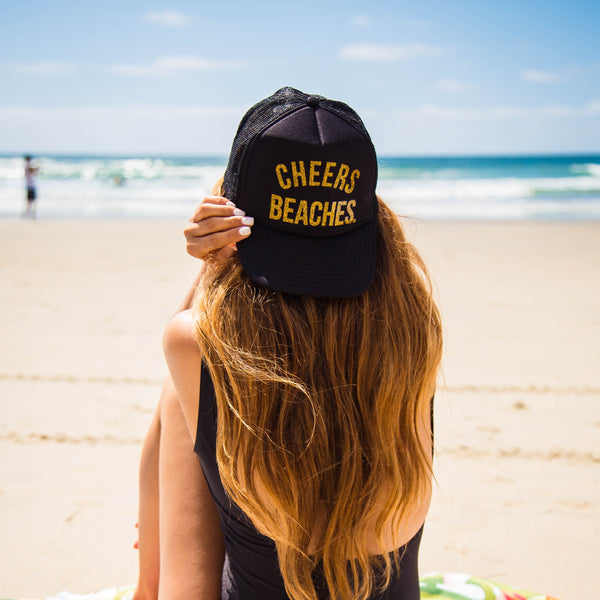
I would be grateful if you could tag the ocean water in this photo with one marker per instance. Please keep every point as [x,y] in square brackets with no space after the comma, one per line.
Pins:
[449,188]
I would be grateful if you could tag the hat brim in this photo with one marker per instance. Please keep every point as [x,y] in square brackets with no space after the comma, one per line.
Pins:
[342,265]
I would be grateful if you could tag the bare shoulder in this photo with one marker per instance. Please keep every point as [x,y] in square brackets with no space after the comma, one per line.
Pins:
[179,335]
[184,361]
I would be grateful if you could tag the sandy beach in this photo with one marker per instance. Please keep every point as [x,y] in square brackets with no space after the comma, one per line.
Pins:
[83,305]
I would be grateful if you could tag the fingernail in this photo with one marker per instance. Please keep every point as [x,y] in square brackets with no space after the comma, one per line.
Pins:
[229,203]
[238,212]
[248,221]
[244,231]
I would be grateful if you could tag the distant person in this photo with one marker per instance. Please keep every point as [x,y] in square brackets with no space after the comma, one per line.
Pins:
[118,179]
[31,171]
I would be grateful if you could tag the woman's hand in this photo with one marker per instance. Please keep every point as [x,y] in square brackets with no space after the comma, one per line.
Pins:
[214,229]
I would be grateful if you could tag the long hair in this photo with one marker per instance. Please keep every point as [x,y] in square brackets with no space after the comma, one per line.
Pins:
[319,401]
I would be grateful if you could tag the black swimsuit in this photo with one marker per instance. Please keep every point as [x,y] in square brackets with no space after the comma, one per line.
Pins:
[251,570]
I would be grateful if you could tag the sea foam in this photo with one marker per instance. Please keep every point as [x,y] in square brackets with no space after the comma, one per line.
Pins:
[433,188]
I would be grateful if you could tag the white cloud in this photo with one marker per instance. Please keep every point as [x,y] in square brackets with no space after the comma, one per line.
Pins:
[542,76]
[453,85]
[167,18]
[387,53]
[209,129]
[504,112]
[417,23]
[508,129]
[593,107]
[491,113]
[174,65]
[42,68]
[130,111]
[143,128]
[361,20]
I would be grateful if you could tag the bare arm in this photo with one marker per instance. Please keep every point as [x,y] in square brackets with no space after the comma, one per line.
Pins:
[191,540]
[181,542]
[188,299]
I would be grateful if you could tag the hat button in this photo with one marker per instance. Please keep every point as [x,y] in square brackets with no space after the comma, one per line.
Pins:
[313,101]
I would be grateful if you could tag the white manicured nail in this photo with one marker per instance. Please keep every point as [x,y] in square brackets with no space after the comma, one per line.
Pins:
[238,212]
[248,221]
[244,231]
[229,203]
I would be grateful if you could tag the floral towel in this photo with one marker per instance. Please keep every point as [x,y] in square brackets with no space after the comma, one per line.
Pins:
[456,586]
[434,586]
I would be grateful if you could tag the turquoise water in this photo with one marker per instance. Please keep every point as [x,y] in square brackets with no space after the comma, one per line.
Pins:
[482,187]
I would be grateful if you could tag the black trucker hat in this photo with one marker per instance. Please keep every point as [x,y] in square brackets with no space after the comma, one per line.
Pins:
[305,168]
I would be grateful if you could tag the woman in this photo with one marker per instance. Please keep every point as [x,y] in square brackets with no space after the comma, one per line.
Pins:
[303,374]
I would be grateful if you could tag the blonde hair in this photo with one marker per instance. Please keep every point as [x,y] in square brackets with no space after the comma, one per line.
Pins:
[318,406]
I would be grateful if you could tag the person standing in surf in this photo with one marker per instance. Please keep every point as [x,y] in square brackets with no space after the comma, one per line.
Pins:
[31,171]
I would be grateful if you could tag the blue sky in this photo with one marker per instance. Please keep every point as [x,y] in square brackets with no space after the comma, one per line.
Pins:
[428,78]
